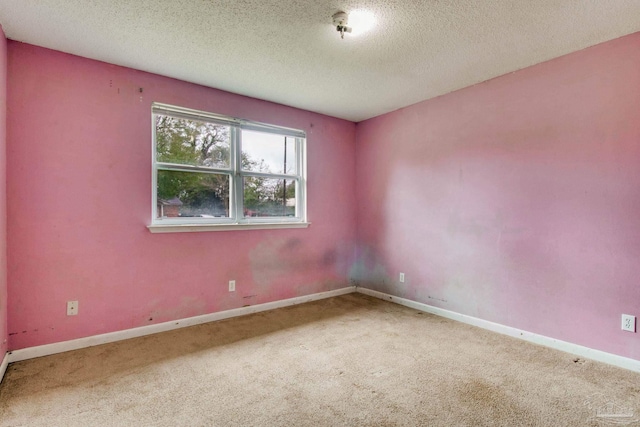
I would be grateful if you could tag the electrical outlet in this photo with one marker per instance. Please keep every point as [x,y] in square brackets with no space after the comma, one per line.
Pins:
[628,323]
[72,308]
[232,285]
[401,277]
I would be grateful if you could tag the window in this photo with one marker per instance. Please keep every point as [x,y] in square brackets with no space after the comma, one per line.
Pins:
[212,172]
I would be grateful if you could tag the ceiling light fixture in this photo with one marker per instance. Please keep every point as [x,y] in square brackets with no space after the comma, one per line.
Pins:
[360,22]
[340,20]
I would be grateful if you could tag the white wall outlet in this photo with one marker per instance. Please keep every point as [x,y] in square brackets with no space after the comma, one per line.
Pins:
[628,323]
[232,285]
[72,308]
[401,277]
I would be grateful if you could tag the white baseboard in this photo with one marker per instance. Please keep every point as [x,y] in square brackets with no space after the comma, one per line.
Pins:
[586,352]
[3,366]
[48,349]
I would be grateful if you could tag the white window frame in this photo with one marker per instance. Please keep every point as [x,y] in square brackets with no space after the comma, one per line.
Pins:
[236,219]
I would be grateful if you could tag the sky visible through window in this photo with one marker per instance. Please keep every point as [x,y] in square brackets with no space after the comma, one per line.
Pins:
[270,148]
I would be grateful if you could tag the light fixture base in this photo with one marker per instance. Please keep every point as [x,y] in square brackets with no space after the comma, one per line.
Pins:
[340,20]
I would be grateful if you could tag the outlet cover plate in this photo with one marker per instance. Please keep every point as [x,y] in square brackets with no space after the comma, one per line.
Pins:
[628,323]
[232,285]
[72,308]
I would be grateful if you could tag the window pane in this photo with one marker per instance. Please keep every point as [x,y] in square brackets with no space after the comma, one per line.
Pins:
[267,152]
[265,197]
[192,194]
[192,142]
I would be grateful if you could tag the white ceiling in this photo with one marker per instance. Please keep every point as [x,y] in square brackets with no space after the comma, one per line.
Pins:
[289,52]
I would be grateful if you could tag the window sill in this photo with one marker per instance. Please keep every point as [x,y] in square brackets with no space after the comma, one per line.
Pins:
[191,228]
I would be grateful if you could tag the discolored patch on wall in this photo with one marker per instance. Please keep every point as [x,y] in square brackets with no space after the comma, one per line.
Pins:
[320,286]
[187,307]
[329,258]
[292,244]
[369,271]
[279,257]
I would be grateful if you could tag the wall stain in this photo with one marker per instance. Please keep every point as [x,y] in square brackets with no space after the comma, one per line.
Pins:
[329,258]
[277,258]
[188,307]
[292,244]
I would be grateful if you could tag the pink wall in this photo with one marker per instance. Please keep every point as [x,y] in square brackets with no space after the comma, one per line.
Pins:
[79,181]
[3,195]
[516,200]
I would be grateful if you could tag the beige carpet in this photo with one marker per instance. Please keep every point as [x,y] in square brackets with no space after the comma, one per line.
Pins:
[351,360]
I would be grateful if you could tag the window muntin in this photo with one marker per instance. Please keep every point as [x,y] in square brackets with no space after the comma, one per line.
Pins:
[210,169]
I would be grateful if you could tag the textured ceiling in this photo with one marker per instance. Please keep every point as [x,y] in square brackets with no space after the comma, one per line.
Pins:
[288,51]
